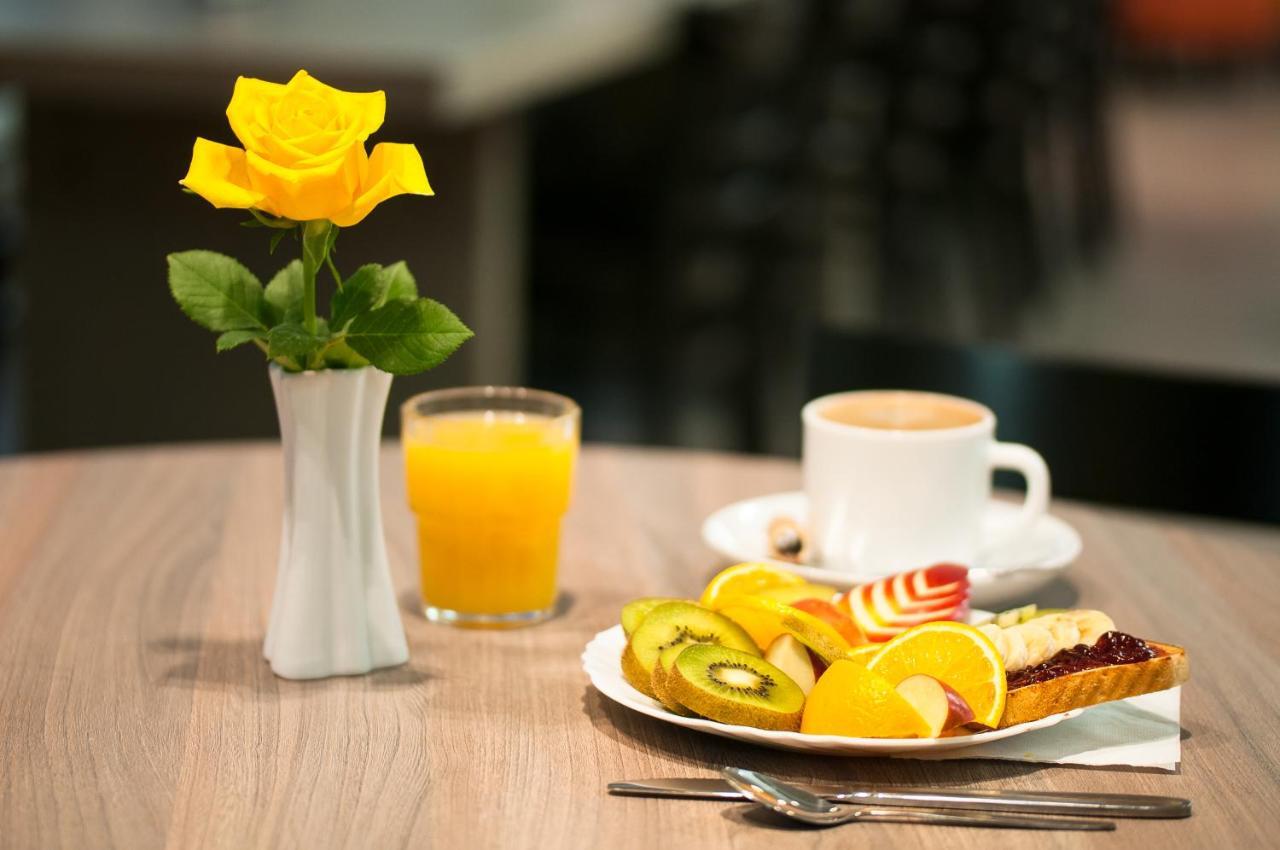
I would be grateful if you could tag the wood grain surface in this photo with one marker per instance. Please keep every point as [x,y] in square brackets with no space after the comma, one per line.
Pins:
[136,710]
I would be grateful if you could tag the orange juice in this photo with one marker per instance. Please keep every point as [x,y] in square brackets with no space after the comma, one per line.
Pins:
[489,489]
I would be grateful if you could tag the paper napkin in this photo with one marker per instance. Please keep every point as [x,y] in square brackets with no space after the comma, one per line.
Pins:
[1144,731]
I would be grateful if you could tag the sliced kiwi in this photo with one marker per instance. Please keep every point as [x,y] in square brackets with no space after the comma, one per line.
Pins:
[1014,616]
[674,623]
[1018,616]
[634,612]
[658,681]
[736,687]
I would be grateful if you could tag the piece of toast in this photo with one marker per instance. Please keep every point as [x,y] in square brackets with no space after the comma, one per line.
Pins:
[1100,684]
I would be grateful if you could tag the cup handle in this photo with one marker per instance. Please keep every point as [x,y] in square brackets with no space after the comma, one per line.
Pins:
[1027,461]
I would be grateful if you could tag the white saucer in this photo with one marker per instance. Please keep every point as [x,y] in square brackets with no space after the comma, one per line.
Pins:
[1012,573]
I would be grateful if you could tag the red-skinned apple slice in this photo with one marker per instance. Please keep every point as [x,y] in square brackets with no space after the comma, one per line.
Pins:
[840,621]
[940,706]
[877,616]
[938,580]
[885,608]
[792,657]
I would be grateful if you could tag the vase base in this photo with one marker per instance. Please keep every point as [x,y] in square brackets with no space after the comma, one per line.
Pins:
[324,670]
[466,620]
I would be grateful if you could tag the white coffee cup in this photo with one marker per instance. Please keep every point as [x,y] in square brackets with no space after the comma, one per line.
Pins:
[899,479]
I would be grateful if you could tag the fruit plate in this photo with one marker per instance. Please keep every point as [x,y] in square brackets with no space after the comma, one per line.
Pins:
[601,662]
[1011,573]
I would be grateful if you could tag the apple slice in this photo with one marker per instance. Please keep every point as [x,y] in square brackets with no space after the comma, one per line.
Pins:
[791,657]
[940,706]
[838,619]
[889,606]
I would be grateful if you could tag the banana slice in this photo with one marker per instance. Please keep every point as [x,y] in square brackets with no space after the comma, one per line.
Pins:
[1013,649]
[1039,639]
[1039,642]
[1092,624]
[1066,633]
[996,634]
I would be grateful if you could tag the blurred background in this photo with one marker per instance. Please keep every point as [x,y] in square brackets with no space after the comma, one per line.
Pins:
[692,216]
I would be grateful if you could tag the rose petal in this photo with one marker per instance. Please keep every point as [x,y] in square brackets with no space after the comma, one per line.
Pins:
[218,174]
[250,108]
[305,194]
[318,143]
[364,111]
[394,169]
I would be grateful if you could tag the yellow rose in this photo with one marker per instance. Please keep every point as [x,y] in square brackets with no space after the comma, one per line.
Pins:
[303,155]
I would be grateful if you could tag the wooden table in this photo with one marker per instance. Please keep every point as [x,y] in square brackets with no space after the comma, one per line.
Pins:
[136,710]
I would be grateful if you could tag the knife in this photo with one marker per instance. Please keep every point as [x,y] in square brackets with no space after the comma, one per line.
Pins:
[1030,802]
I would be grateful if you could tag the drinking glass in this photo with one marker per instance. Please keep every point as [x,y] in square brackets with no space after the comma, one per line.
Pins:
[489,473]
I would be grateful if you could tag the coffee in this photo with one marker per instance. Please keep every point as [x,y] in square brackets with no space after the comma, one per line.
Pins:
[901,411]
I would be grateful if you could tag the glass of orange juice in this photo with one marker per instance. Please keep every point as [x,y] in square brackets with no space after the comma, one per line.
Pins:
[489,472]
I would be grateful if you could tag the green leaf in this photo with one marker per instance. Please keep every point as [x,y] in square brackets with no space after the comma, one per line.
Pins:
[293,340]
[284,294]
[400,283]
[361,292]
[232,339]
[215,291]
[342,356]
[406,337]
[275,241]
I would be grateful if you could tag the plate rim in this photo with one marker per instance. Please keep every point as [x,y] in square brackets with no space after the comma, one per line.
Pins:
[1051,564]
[612,640]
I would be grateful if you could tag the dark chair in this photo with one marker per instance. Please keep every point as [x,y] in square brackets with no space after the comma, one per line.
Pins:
[10,302]
[1113,435]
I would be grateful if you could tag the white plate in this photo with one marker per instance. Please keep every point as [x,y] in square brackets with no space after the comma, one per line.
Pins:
[739,532]
[601,661]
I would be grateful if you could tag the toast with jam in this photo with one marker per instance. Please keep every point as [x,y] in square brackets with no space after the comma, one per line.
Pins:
[1075,659]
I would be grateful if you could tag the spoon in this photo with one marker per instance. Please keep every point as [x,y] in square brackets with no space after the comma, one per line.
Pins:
[800,805]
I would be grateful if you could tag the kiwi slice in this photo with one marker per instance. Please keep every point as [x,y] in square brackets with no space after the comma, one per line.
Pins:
[1014,616]
[658,681]
[674,623]
[634,612]
[735,687]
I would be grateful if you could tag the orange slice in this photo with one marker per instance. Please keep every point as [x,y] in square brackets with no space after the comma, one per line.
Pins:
[765,619]
[743,580]
[851,700]
[863,654]
[764,626]
[955,654]
[790,594]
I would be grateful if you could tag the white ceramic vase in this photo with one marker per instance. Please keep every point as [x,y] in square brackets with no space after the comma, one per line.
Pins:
[334,611]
